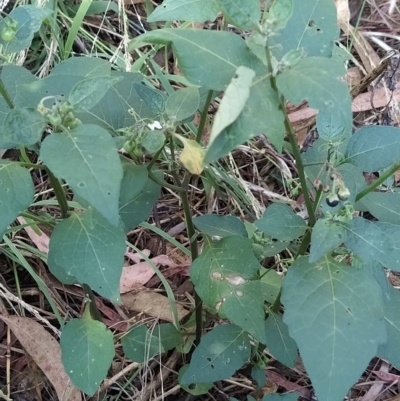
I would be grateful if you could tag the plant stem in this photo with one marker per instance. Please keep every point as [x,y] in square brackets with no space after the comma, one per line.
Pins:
[293,143]
[60,194]
[191,231]
[378,181]
[94,311]
[204,115]
[5,94]
[165,184]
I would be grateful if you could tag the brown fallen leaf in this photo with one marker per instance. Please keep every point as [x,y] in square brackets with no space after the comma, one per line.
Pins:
[46,353]
[152,303]
[39,238]
[137,275]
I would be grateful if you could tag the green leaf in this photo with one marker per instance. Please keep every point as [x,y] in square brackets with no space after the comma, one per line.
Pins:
[186,10]
[374,147]
[182,104]
[221,352]
[194,388]
[225,278]
[137,197]
[280,344]
[271,283]
[233,102]
[13,76]
[153,98]
[371,243]
[222,52]
[220,226]
[29,19]
[153,141]
[280,12]
[281,397]
[16,192]
[87,247]
[142,344]
[87,352]
[312,27]
[85,67]
[259,376]
[22,126]
[326,236]
[335,314]
[261,114]
[281,222]
[316,79]
[385,206]
[391,349]
[243,14]
[87,93]
[87,159]
[329,127]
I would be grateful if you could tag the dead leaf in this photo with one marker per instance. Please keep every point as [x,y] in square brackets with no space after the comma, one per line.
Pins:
[152,303]
[288,385]
[192,155]
[39,238]
[137,275]
[46,353]
[387,377]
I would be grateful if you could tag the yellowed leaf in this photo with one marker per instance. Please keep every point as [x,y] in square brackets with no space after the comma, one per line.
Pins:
[192,155]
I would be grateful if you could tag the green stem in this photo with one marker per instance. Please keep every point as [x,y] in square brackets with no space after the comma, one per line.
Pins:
[293,143]
[204,115]
[378,181]
[155,158]
[165,184]
[94,311]
[60,194]
[4,93]
[191,231]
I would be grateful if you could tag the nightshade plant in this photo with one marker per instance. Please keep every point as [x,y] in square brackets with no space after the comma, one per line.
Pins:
[339,310]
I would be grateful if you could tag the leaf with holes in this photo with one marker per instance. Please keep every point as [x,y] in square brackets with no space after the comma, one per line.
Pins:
[87,352]
[312,27]
[337,346]
[16,192]
[374,147]
[87,247]
[280,344]
[186,10]
[281,222]
[317,80]
[22,126]
[221,352]
[220,226]
[87,159]
[87,93]
[225,278]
